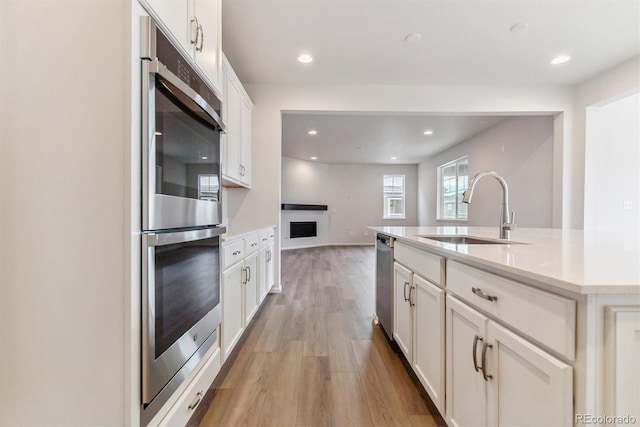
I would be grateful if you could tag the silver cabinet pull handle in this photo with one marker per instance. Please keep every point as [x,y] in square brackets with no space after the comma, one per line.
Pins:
[196,401]
[236,253]
[484,361]
[248,274]
[254,244]
[479,292]
[244,280]
[404,291]
[264,240]
[475,351]
[199,48]
[411,303]
[194,20]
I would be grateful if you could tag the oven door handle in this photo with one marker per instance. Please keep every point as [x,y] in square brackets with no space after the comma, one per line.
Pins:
[173,82]
[163,239]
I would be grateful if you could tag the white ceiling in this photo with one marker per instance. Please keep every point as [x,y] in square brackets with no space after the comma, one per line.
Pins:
[380,136]
[464,42]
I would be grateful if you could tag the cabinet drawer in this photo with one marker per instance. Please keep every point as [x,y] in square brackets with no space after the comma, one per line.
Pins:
[186,405]
[263,239]
[251,244]
[233,253]
[545,317]
[426,264]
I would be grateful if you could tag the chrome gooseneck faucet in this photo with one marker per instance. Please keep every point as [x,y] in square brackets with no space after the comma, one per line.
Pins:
[507,218]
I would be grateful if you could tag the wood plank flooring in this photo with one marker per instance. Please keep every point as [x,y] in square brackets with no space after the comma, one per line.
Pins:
[312,357]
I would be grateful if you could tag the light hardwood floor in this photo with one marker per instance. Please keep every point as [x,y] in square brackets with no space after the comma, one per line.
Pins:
[312,357]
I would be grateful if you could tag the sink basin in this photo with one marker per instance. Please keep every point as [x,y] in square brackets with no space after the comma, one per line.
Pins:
[466,240]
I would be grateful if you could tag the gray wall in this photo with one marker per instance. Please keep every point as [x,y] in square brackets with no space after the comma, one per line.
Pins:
[353,193]
[519,149]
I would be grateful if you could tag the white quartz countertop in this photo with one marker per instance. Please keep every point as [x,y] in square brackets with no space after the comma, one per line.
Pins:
[577,261]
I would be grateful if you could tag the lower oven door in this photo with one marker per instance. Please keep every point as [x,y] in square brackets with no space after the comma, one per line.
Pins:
[180,304]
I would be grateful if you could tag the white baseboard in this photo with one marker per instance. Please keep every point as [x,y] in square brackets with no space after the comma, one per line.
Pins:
[327,244]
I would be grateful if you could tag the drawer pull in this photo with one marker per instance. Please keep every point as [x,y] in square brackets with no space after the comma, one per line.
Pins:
[481,294]
[484,361]
[196,401]
[254,244]
[236,253]
[264,240]
[475,351]
[404,291]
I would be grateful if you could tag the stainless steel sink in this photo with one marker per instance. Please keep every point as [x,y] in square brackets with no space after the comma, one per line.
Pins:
[466,240]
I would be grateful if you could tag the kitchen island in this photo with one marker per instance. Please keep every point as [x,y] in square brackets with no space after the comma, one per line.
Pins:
[541,329]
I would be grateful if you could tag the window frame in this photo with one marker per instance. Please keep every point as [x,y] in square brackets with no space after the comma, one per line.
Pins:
[387,197]
[440,194]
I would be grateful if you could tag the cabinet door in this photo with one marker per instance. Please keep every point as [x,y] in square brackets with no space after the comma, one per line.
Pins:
[232,319]
[402,316]
[174,14]
[429,332]
[245,140]
[270,281]
[208,51]
[231,118]
[262,274]
[251,283]
[466,389]
[527,385]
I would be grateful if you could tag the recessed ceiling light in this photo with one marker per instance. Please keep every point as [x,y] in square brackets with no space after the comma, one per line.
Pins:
[428,132]
[560,59]
[394,158]
[305,59]
[158,133]
[314,158]
[412,38]
[519,27]
[313,132]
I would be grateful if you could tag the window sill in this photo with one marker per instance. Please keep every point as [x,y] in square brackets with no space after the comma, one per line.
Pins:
[452,220]
[394,217]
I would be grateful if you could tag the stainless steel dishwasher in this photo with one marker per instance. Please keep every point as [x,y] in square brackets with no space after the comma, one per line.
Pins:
[384,283]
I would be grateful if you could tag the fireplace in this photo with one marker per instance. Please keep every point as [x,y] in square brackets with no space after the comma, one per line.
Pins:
[303,229]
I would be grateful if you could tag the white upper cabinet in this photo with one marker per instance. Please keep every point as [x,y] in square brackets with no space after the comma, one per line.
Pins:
[236,115]
[196,25]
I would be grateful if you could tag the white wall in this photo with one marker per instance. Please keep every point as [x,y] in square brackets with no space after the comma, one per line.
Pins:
[65,253]
[305,183]
[353,193]
[620,80]
[520,149]
[612,166]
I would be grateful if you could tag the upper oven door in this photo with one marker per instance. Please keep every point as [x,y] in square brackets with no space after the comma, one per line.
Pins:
[181,153]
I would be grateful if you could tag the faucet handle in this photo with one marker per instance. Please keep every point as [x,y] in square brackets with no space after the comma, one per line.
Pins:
[512,222]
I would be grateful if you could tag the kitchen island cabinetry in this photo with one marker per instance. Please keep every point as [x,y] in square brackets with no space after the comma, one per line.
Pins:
[419,318]
[535,333]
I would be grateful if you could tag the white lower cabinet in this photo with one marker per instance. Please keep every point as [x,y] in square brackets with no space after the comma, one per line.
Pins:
[251,282]
[232,315]
[246,279]
[429,338]
[504,380]
[402,313]
[419,329]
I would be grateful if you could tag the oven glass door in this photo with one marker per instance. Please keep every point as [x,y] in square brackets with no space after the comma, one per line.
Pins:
[187,151]
[181,300]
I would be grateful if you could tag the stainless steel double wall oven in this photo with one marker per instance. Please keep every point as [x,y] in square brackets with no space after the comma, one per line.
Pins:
[181,217]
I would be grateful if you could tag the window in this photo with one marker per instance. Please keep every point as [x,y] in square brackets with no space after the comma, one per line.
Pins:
[208,187]
[453,181]
[393,193]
